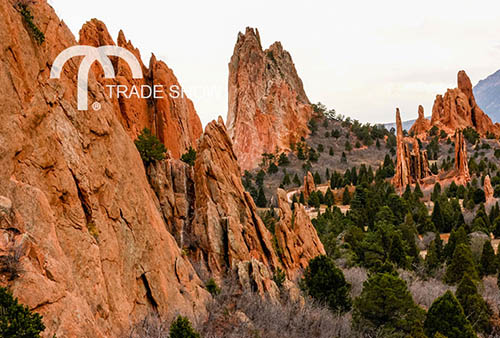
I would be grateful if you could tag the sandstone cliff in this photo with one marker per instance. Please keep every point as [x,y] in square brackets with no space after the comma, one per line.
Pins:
[422,125]
[94,249]
[296,236]
[461,162]
[309,185]
[411,164]
[268,108]
[173,120]
[458,109]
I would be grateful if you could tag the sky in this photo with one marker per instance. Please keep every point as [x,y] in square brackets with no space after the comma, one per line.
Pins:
[362,58]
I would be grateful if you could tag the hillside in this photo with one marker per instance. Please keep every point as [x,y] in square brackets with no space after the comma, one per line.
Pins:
[487,93]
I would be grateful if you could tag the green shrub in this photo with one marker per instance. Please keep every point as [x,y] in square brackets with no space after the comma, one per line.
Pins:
[28,18]
[181,328]
[150,148]
[189,157]
[325,282]
[16,320]
[279,277]
[212,287]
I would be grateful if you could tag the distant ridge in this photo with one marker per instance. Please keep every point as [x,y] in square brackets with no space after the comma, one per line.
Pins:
[487,93]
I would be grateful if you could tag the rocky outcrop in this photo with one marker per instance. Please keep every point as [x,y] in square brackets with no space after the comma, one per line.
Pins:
[94,250]
[461,163]
[422,125]
[296,236]
[458,109]
[309,185]
[411,164]
[172,119]
[226,228]
[488,189]
[268,108]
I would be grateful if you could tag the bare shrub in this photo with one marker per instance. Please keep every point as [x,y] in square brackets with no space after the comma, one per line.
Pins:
[150,327]
[424,291]
[491,294]
[242,314]
[10,264]
[356,276]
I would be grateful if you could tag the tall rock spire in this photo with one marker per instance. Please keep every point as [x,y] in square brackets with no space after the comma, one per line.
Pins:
[461,164]
[268,108]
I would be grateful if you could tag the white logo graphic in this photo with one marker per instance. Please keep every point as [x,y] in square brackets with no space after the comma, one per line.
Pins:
[93,54]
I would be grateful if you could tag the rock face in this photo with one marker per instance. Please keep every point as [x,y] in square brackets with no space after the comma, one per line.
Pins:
[461,163]
[458,109]
[421,125]
[488,189]
[411,164]
[226,227]
[94,249]
[268,108]
[309,185]
[296,236]
[173,120]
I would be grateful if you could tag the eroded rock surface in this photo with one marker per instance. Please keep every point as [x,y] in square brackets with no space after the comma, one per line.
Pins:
[268,108]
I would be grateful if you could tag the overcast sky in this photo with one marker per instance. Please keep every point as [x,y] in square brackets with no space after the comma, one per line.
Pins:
[363,58]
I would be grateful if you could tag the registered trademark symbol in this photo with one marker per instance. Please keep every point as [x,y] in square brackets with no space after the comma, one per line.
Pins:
[96,106]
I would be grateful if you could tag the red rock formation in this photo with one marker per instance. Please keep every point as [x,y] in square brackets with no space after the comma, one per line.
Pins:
[422,125]
[226,228]
[461,164]
[309,185]
[296,236]
[488,189]
[96,253]
[411,165]
[268,108]
[173,120]
[457,109]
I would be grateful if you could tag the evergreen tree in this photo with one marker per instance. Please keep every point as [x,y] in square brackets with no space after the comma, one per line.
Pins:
[189,157]
[317,178]
[296,180]
[286,180]
[456,237]
[16,320]
[302,199]
[343,158]
[475,308]
[314,200]
[261,198]
[346,197]
[326,283]
[386,303]
[432,259]
[488,263]
[329,198]
[181,328]
[397,253]
[461,264]
[438,219]
[447,317]
[150,148]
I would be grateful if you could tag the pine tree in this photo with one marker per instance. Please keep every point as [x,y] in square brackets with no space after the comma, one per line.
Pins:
[432,259]
[385,302]
[346,197]
[417,192]
[438,219]
[314,200]
[16,320]
[461,264]
[488,263]
[296,180]
[475,308]
[181,328]
[150,148]
[456,237]
[447,317]
[329,198]
[397,252]
[261,198]
[301,198]
[317,178]
[325,282]
[286,180]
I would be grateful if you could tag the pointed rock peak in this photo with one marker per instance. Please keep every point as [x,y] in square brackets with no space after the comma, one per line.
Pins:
[488,189]
[464,83]
[95,33]
[251,34]
[220,121]
[399,125]
[121,40]
[421,112]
